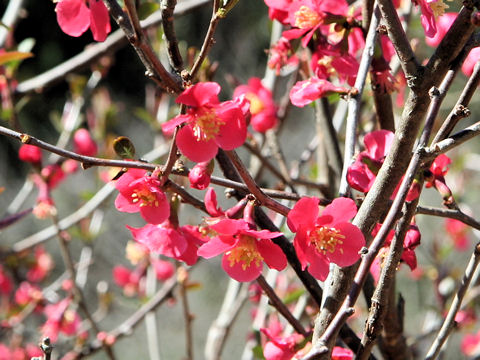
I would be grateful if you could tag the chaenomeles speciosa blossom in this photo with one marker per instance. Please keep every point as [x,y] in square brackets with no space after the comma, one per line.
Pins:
[328,238]
[245,249]
[208,124]
[75,17]
[140,192]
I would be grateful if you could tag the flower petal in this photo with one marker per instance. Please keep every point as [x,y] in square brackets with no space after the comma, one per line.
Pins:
[197,151]
[234,132]
[237,272]
[159,213]
[305,212]
[215,247]
[319,268]
[272,254]
[348,253]
[200,94]
[73,17]
[340,210]
[165,241]
[99,20]
[378,143]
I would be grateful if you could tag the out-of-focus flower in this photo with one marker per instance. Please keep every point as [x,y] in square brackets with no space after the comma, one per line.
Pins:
[339,353]
[306,91]
[457,232]
[60,319]
[411,241]
[278,10]
[42,265]
[27,293]
[430,10]
[209,124]
[280,55]
[262,106]
[136,252]
[470,345]
[443,24]
[6,285]
[83,143]
[128,280]
[163,269]
[75,16]
[140,192]
[470,61]
[328,238]
[328,61]
[30,153]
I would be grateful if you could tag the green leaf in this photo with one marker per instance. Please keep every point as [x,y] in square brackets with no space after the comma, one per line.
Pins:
[293,296]
[13,55]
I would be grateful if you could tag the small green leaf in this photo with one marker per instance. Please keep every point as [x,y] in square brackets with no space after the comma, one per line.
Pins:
[13,55]
[124,148]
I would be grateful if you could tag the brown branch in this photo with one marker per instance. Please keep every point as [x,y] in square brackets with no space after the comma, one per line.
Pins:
[134,33]
[449,213]
[174,57]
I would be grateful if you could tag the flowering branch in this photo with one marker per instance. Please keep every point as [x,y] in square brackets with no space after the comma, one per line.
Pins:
[449,213]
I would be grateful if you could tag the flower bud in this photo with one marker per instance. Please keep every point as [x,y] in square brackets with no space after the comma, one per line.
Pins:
[30,153]
[199,176]
[83,143]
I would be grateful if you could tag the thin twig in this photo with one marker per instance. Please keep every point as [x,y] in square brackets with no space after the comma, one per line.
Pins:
[208,41]
[9,19]
[449,213]
[174,57]
[182,274]
[355,100]
[278,304]
[449,322]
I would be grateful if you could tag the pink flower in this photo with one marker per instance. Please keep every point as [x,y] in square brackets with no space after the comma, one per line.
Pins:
[200,175]
[262,106]
[53,175]
[471,344]
[30,153]
[306,91]
[278,9]
[179,243]
[27,293]
[306,16]
[163,269]
[457,232]
[435,177]
[127,279]
[411,241]
[281,348]
[244,248]
[280,55]
[443,24]
[41,267]
[208,123]
[60,319]
[139,192]
[340,353]
[470,61]
[83,143]
[325,239]
[74,18]
[332,61]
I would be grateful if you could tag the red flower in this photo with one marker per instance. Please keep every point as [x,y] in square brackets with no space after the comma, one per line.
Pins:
[83,143]
[325,239]
[435,177]
[278,10]
[74,18]
[127,279]
[304,92]
[244,249]
[281,348]
[262,106]
[209,124]
[30,153]
[411,241]
[60,319]
[163,269]
[340,353]
[179,243]
[306,16]
[471,344]
[331,60]
[139,192]
[6,285]
[280,55]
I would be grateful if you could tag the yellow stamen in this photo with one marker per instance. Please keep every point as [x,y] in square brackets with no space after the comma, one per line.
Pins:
[256,104]
[326,239]
[306,18]
[207,125]
[144,197]
[245,253]
[438,8]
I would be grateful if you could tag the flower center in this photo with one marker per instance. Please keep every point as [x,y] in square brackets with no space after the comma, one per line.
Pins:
[326,62]
[144,197]
[245,252]
[207,125]
[438,8]
[326,239]
[306,18]
[256,104]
